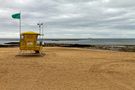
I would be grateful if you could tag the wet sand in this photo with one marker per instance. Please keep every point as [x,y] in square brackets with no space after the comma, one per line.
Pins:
[67,69]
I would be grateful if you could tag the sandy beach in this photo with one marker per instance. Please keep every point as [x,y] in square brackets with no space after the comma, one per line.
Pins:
[67,69]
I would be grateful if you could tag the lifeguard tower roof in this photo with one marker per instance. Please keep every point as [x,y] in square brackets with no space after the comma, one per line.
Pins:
[30,33]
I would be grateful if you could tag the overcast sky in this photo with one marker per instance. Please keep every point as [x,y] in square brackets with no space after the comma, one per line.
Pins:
[70,18]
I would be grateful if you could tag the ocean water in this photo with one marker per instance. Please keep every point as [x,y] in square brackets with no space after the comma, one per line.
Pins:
[82,41]
[95,41]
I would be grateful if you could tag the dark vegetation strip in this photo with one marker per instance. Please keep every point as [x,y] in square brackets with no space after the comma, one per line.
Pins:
[125,48]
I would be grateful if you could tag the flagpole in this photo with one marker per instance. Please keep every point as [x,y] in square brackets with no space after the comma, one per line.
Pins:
[18,16]
[20,24]
[20,27]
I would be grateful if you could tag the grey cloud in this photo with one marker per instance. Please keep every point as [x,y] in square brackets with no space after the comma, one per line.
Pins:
[74,18]
[121,3]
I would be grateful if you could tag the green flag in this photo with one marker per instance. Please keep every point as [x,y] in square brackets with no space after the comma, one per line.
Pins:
[16,16]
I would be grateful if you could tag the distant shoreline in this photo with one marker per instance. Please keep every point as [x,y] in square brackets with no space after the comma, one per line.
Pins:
[78,41]
[125,48]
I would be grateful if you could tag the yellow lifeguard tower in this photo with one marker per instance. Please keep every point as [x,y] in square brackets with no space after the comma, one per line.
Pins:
[29,41]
